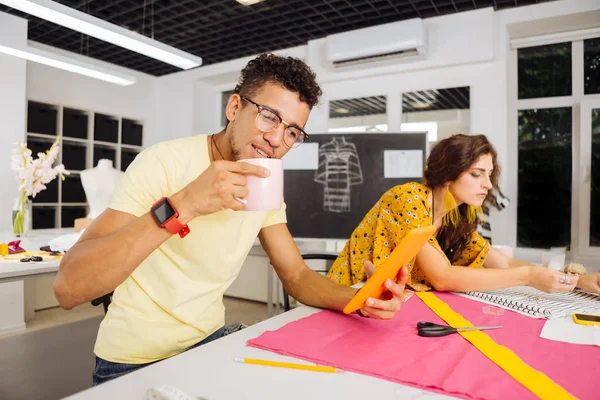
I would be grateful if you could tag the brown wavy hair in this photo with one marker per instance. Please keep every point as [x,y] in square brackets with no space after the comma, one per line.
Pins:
[448,160]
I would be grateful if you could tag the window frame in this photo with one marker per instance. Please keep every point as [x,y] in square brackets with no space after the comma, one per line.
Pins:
[581,155]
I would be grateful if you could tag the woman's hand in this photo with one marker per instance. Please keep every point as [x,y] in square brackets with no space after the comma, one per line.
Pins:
[390,301]
[551,281]
[590,283]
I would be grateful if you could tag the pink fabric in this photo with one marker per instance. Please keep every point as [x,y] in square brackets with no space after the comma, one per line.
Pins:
[392,350]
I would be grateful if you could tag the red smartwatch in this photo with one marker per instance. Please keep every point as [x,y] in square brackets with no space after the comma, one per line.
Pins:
[165,215]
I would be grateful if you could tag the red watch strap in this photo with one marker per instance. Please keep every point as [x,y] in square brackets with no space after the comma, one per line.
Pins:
[174,226]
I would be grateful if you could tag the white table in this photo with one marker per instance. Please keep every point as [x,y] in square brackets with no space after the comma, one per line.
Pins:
[15,308]
[18,271]
[14,270]
[209,371]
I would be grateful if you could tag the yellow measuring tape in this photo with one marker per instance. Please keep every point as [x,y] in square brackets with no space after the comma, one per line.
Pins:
[535,381]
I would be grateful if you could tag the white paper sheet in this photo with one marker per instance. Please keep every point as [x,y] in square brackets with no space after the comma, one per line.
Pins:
[403,163]
[565,330]
[305,157]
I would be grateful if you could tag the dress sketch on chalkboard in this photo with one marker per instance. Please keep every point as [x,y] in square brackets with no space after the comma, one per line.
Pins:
[339,169]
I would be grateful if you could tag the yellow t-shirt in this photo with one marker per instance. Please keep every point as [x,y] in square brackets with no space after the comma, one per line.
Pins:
[174,299]
[398,211]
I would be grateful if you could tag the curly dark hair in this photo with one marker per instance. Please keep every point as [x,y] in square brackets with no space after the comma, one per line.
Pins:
[289,72]
[448,159]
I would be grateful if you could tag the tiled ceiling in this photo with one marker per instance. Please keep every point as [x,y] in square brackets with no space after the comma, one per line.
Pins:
[436,99]
[220,30]
[357,107]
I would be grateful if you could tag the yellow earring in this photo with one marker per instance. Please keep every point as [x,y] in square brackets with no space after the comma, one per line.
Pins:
[452,215]
[473,213]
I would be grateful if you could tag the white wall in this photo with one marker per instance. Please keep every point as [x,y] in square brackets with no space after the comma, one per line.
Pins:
[13,31]
[186,107]
[450,122]
[56,86]
[345,122]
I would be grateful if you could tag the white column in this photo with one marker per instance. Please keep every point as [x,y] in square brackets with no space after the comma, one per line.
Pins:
[13,102]
[394,111]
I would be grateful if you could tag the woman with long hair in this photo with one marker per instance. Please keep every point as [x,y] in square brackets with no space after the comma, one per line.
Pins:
[460,173]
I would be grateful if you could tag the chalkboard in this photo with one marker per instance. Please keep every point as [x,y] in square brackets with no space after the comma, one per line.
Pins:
[330,201]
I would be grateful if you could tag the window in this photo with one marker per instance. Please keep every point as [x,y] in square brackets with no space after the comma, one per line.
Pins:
[591,66]
[440,112]
[558,133]
[544,191]
[359,114]
[545,71]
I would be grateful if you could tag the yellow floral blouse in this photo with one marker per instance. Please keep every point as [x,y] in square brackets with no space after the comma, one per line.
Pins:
[399,210]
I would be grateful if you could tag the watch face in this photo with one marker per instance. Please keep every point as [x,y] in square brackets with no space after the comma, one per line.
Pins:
[163,211]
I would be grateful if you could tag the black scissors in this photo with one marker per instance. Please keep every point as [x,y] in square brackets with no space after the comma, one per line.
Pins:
[32,259]
[429,329]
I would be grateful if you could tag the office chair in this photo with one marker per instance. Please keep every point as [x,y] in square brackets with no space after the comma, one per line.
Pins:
[324,256]
[104,300]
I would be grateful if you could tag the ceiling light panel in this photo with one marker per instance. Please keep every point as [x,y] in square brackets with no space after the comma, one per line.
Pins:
[95,27]
[67,64]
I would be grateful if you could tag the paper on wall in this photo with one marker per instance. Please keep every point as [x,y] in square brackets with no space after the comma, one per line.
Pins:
[305,157]
[403,163]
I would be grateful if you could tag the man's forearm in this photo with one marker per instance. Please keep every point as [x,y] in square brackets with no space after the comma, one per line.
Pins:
[95,267]
[312,288]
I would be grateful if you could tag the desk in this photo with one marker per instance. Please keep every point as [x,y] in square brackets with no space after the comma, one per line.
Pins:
[16,303]
[209,371]
[17,271]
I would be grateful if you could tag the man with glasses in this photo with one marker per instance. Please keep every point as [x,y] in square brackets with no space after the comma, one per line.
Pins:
[173,239]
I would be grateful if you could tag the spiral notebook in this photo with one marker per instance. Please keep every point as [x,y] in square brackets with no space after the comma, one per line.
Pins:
[530,301]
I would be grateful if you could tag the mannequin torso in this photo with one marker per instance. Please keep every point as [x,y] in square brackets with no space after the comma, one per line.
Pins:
[99,184]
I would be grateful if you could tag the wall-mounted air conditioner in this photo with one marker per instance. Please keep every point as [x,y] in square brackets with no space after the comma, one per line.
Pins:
[405,40]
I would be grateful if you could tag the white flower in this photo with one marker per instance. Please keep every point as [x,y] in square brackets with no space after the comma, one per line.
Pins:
[33,175]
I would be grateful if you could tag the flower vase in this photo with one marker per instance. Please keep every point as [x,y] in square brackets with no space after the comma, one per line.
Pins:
[21,215]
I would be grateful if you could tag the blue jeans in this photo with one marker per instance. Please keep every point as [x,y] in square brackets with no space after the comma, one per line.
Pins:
[107,370]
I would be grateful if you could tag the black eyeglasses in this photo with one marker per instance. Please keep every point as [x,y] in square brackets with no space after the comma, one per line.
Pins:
[267,120]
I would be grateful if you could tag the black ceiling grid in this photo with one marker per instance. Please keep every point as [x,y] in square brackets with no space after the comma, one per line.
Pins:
[357,107]
[221,30]
[436,99]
